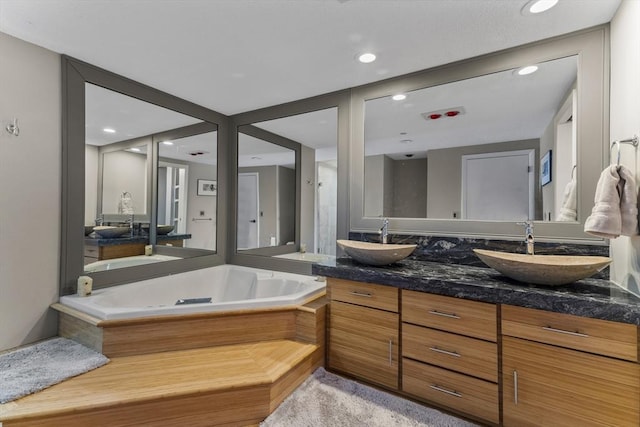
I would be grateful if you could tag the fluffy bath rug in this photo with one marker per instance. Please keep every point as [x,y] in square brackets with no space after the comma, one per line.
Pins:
[328,400]
[35,367]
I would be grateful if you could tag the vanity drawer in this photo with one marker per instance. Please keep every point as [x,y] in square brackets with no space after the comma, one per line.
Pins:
[603,337]
[456,391]
[462,354]
[471,318]
[365,294]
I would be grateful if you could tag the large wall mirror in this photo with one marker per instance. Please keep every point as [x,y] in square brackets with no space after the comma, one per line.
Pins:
[151,178]
[475,147]
[288,165]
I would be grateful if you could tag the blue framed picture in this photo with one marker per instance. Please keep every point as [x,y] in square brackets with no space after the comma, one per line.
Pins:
[545,169]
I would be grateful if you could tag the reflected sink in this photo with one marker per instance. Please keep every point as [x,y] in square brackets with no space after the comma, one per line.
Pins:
[543,269]
[109,231]
[375,253]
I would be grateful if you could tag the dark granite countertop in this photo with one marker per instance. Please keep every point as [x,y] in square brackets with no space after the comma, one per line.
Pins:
[98,241]
[594,298]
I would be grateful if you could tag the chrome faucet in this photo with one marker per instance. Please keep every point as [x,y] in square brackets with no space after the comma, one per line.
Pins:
[100,220]
[384,231]
[130,222]
[528,236]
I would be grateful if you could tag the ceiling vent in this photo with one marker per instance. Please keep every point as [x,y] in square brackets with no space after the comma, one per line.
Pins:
[444,113]
[198,153]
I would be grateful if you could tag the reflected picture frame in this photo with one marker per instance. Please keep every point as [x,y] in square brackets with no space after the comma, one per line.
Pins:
[545,169]
[207,187]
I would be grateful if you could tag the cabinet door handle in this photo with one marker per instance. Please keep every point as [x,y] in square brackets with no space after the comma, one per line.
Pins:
[562,331]
[448,353]
[361,294]
[515,387]
[449,315]
[446,391]
[390,352]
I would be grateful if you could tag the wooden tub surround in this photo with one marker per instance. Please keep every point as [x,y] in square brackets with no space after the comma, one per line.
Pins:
[219,369]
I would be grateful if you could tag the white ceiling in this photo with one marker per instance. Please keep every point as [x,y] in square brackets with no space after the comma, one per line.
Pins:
[238,55]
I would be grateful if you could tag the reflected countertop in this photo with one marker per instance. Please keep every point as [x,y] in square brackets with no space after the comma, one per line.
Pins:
[126,240]
[594,298]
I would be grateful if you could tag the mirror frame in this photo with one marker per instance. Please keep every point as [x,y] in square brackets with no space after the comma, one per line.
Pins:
[260,258]
[75,74]
[592,49]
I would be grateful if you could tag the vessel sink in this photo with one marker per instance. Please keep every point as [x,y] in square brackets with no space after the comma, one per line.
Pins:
[375,253]
[110,231]
[543,269]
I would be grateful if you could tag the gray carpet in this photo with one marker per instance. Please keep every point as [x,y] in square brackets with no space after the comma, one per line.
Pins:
[328,400]
[35,367]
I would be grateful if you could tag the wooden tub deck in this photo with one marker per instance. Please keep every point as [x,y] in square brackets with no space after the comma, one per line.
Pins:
[236,384]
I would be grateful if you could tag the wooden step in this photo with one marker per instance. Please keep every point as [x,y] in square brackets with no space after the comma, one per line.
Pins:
[226,385]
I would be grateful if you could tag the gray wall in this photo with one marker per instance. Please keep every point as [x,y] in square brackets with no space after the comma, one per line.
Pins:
[444,175]
[410,184]
[30,176]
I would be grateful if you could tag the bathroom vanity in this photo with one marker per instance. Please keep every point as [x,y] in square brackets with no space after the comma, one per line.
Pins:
[471,341]
[96,249]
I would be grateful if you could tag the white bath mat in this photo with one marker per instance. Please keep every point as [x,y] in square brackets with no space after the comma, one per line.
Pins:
[328,400]
[33,368]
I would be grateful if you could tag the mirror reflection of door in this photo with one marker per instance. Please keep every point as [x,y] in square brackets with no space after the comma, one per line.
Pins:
[248,210]
[498,186]
[172,191]
[317,134]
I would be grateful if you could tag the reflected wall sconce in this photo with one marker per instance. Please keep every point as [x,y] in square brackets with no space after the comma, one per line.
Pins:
[12,128]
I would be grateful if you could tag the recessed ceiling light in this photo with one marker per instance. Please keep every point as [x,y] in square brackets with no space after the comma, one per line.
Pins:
[399,97]
[529,69]
[109,130]
[136,149]
[538,6]
[167,142]
[406,141]
[367,58]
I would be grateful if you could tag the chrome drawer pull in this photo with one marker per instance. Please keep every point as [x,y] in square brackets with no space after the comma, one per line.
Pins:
[444,390]
[515,387]
[449,315]
[562,331]
[448,353]
[361,294]
[390,352]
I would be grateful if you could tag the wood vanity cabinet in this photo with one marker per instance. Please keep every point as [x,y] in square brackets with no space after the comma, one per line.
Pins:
[363,331]
[564,370]
[450,353]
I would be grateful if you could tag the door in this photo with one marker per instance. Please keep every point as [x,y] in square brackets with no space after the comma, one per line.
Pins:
[248,211]
[498,186]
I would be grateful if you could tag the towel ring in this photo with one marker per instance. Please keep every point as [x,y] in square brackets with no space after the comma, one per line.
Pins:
[633,141]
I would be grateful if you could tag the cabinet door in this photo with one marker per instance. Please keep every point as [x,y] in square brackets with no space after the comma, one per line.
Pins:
[551,386]
[363,342]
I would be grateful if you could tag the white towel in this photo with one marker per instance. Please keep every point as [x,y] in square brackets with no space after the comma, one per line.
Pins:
[615,193]
[568,210]
[628,202]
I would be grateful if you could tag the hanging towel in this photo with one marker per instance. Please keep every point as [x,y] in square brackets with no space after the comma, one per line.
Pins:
[615,192]
[628,203]
[568,210]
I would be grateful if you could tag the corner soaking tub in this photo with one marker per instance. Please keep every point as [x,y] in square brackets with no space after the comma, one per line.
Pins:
[220,288]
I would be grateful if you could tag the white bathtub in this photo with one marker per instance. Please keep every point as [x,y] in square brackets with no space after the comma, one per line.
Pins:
[230,287]
[130,261]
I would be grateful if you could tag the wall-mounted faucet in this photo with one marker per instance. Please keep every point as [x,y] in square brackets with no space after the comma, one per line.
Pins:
[528,236]
[384,231]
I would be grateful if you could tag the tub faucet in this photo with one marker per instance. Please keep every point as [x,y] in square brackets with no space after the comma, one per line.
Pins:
[528,236]
[384,231]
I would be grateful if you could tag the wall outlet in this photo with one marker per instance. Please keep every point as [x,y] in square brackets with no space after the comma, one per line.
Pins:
[148,250]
